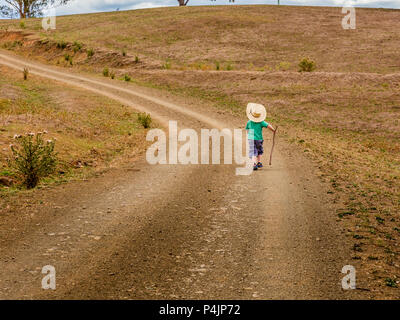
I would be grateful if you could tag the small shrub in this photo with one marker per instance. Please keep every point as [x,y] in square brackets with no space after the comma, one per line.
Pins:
[307,65]
[391,283]
[61,44]
[127,78]
[106,72]
[137,59]
[217,66]
[90,53]
[379,219]
[22,25]
[26,73]
[167,65]
[144,119]
[357,247]
[68,58]
[229,67]
[77,46]
[33,158]
[13,44]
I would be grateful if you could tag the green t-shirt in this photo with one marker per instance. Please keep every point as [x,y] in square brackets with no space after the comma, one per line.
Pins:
[257,127]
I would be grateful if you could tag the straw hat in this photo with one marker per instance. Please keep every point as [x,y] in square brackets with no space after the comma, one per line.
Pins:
[256,112]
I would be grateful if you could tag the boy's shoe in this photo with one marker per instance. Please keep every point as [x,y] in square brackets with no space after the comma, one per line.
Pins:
[255,167]
[259,165]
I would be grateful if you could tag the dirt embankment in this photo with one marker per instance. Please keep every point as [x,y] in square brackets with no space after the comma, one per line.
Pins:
[69,54]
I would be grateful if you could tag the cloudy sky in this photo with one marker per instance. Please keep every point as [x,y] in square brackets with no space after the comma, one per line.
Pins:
[86,6]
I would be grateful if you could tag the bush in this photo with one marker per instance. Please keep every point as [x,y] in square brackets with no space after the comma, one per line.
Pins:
[127,78]
[77,46]
[33,158]
[26,73]
[307,65]
[217,66]
[68,58]
[229,67]
[61,44]
[106,72]
[90,53]
[144,119]
[167,65]
[391,282]
[137,59]
[22,24]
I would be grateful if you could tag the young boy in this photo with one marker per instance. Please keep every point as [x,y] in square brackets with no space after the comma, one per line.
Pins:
[256,114]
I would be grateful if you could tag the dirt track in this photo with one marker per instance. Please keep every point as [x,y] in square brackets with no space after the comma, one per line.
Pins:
[176,231]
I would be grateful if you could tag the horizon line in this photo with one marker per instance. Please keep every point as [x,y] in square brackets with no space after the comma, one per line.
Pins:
[213,5]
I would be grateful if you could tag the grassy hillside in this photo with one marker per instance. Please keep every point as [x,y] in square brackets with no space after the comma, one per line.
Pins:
[246,37]
[345,115]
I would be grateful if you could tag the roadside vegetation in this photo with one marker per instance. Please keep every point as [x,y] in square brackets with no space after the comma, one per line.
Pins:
[32,158]
[51,135]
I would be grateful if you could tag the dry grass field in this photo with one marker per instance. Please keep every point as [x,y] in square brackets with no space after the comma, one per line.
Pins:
[264,38]
[345,115]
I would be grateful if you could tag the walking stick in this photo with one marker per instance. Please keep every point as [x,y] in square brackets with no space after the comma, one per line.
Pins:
[273,145]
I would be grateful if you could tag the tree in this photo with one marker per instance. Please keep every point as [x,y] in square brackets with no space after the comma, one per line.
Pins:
[27,8]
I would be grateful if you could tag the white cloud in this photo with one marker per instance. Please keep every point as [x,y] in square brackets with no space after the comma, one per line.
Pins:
[91,6]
